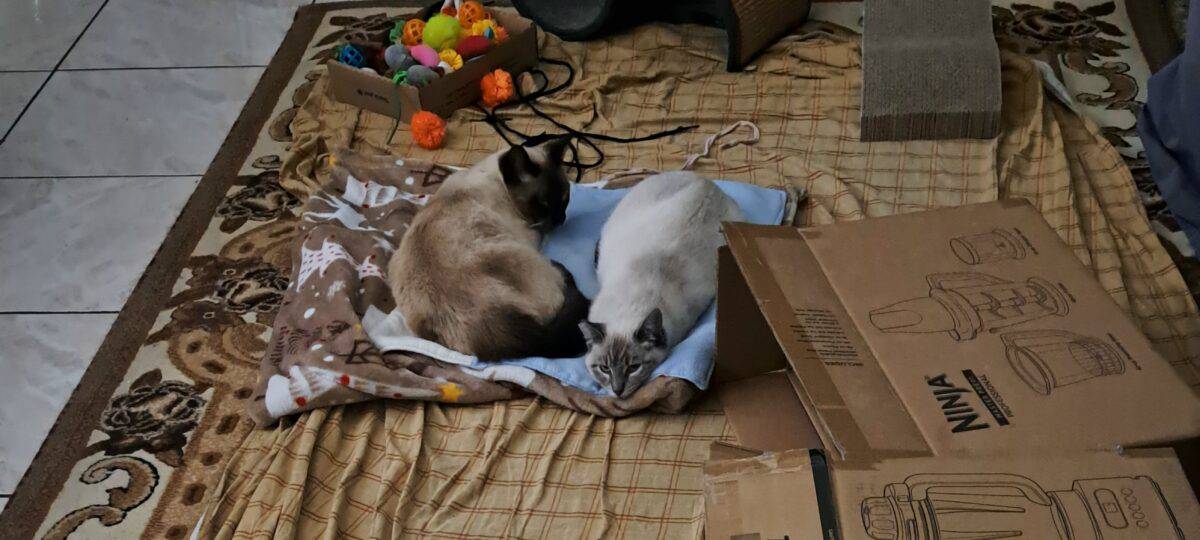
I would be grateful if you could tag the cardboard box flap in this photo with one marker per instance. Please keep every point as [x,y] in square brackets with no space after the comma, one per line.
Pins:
[788,425]
[996,337]
[720,451]
[972,330]
[742,329]
[1094,495]
[848,397]
[769,496]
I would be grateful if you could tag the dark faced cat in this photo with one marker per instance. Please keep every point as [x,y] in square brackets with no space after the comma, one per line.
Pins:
[468,273]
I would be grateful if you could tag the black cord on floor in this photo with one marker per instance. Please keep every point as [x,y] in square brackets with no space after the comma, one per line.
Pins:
[584,138]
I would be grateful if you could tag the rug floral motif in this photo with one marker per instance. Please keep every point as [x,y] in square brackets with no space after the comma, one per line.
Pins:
[181,410]
[1101,63]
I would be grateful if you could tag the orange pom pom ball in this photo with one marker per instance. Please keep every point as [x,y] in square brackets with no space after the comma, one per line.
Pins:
[472,12]
[428,130]
[413,31]
[497,87]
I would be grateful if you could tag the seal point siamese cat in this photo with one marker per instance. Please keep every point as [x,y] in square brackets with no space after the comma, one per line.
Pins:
[468,273]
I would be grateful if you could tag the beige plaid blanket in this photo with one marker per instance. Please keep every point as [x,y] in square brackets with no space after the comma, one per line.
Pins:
[527,468]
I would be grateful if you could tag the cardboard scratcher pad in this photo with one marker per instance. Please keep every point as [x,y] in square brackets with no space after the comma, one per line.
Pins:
[931,70]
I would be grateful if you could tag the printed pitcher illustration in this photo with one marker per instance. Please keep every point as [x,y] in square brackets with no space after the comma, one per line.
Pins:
[998,245]
[996,506]
[1049,359]
[963,304]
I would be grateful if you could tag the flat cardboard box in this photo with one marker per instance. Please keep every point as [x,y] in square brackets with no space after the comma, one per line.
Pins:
[967,331]
[447,94]
[1142,495]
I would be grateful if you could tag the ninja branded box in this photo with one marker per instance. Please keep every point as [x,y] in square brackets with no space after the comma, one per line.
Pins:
[953,374]
[798,494]
[443,95]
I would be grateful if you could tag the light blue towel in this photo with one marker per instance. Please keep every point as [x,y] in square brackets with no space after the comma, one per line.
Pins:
[573,244]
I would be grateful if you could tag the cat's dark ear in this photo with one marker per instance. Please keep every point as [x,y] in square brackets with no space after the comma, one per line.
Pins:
[593,333]
[515,165]
[651,332]
[556,150]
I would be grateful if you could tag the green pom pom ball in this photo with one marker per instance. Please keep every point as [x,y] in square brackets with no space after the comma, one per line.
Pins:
[442,32]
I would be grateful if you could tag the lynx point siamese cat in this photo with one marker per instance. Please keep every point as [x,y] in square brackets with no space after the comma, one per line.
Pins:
[657,267]
[468,273]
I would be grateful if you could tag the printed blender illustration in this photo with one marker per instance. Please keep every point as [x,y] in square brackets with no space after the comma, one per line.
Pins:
[998,245]
[995,506]
[1049,359]
[963,304]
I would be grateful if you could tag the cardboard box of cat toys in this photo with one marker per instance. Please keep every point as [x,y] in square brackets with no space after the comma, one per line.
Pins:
[953,352]
[366,88]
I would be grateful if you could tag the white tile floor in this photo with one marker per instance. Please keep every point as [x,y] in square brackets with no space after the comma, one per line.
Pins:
[109,112]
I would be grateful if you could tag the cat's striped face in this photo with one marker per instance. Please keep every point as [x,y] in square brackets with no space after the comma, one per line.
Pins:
[622,364]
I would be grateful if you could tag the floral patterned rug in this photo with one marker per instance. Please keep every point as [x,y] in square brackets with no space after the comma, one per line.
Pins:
[1093,50]
[135,455]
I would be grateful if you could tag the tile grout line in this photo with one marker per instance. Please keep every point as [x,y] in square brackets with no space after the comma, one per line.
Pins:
[83,176]
[57,65]
[132,68]
[160,68]
[63,312]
